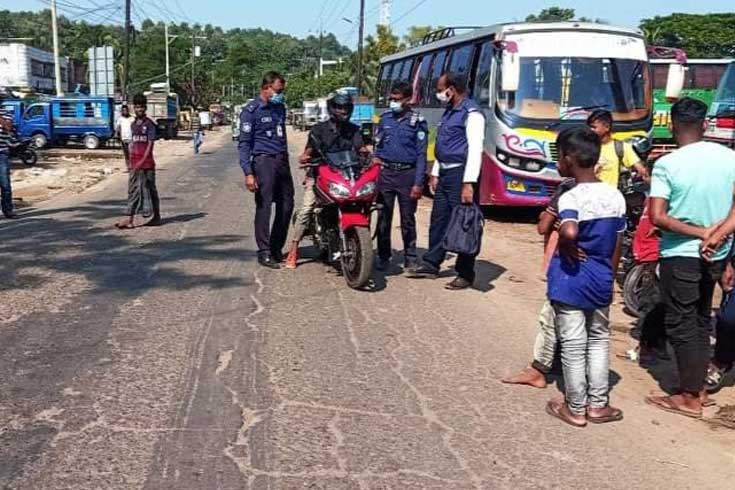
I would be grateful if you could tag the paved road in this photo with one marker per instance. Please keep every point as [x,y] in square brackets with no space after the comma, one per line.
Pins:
[164,358]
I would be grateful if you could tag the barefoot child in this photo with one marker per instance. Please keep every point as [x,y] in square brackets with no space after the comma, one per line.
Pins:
[142,192]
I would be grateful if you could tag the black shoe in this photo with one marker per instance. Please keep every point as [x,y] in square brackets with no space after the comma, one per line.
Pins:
[382,264]
[424,272]
[458,283]
[267,261]
[277,256]
[410,267]
[11,215]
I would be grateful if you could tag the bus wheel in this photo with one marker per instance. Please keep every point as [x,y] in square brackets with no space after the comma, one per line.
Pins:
[91,142]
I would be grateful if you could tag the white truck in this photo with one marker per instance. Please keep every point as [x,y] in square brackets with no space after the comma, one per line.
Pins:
[163,109]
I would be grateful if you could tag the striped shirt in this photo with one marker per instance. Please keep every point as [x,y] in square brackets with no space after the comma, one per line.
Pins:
[6,140]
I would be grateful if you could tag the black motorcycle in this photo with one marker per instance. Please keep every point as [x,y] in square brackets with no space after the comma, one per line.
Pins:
[25,151]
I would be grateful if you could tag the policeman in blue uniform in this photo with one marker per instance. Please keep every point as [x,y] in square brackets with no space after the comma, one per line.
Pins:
[264,159]
[459,149]
[401,140]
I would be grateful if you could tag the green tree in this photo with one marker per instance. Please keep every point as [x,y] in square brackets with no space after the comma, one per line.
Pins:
[701,36]
[383,43]
[416,34]
[552,14]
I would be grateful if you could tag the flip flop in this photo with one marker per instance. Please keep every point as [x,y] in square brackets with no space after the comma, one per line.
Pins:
[616,415]
[126,226]
[664,403]
[554,408]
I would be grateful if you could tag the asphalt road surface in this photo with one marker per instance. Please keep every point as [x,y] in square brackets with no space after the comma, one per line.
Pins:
[165,358]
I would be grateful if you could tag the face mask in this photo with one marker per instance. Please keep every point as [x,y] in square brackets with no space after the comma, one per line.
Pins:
[443,96]
[395,106]
[277,98]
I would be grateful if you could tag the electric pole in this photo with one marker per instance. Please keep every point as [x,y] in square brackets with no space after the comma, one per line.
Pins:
[194,54]
[319,68]
[359,47]
[126,52]
[57,62]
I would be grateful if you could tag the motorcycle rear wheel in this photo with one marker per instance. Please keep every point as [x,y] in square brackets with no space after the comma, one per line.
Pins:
[641,284]
[29,157]
[357,260]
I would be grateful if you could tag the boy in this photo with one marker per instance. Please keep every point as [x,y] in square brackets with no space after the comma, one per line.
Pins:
[614,154]
[580,281]
[142,192]
[123,130]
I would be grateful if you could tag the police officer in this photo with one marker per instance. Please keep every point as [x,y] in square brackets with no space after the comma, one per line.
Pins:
[454,176]
[264,159]
[401,148]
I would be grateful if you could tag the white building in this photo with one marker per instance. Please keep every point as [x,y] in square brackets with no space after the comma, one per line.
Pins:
[26,67]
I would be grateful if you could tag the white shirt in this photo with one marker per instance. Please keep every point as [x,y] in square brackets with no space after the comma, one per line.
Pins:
[125,126]
[475,131]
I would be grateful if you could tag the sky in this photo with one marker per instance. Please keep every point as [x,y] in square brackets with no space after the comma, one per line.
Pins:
[302,17]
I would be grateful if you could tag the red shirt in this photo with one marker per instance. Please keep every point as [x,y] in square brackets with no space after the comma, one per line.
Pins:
[144,134]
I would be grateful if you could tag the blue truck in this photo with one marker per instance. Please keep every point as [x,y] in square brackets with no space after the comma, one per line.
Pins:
[56,120]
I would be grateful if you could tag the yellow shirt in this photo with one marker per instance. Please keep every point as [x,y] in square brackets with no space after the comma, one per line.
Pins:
[608,168]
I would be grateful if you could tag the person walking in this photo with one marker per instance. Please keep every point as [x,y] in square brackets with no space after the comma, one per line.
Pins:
[264,160]
[401,139]
[123,130]
[691,194]
[454,176]
[7,139]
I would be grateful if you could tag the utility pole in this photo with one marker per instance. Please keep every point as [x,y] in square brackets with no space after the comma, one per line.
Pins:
[194,54]
[57,62]
[319,68]
[168,62]
[126,52]
[359,47]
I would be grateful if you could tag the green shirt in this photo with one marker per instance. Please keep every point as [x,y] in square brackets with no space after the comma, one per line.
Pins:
[698,181]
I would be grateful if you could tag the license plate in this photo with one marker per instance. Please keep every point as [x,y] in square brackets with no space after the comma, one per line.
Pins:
[516,186]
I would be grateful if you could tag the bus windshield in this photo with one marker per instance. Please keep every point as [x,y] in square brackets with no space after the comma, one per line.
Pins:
[568,88]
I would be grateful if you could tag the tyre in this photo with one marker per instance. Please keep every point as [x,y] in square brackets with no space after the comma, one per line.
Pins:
[39,140]
[640,288]
[29,157]
[357,259]
[91,142]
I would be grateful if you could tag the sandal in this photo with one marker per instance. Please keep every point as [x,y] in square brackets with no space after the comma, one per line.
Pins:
[615,415]
[666,404]
[124,226]
[561,411]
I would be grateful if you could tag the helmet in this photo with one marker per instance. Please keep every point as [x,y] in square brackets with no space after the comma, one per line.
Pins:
[642,147]
[340,106]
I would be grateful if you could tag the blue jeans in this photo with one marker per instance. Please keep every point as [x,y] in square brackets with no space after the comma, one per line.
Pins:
[585,355]
[7,193]
[448,195]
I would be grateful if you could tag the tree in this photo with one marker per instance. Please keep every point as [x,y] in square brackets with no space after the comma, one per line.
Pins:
[552,14]
[383,43]
[701,36]
[416,34]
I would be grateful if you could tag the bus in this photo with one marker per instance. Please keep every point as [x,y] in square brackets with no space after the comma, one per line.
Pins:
[700,82]
[531,80]
[721,128]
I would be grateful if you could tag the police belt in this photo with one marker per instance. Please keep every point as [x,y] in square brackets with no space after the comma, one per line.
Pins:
[398,167]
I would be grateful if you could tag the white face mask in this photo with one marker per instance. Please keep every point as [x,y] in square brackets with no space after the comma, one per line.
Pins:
[443,96]
[395,106]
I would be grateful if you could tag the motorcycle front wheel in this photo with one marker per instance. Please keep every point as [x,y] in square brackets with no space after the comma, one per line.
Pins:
[357,259]
[29,157]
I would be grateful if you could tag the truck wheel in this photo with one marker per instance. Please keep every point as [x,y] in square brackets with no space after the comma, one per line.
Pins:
[39,140]
[91,142]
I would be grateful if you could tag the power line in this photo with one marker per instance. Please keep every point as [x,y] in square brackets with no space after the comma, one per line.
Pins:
[408,12]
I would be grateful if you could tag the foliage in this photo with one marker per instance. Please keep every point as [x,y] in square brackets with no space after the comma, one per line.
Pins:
[701,36]
[306,86]
[383,43]
[552,14]
[416,34]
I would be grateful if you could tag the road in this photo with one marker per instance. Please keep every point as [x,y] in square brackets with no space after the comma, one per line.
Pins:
[165,358]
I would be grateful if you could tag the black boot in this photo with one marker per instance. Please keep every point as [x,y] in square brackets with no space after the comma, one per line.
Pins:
[266,260]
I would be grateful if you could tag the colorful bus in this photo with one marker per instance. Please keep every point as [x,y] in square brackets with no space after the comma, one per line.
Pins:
[721,126]
[532,80]
[700,82]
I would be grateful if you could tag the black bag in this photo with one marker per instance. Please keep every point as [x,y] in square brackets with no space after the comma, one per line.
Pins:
[465,230]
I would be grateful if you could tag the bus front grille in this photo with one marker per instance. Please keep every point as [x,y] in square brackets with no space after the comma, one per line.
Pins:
[554,152]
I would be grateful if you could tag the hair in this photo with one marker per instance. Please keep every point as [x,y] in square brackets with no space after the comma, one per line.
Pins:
[403,88]
[270,78]
[601,115]
[688,112]
[139,99]
[456,81]
[580,144]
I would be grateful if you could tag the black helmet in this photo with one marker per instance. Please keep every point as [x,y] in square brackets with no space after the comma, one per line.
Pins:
[340,106]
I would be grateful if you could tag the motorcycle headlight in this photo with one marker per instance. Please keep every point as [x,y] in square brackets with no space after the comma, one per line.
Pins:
[366,190]
[338,190]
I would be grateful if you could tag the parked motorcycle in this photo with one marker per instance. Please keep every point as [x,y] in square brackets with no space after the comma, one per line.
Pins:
[641,284]
[346,186]
[25,150]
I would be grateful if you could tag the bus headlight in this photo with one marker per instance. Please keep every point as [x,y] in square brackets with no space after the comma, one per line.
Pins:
[519,163]
[338,190]
[366,190]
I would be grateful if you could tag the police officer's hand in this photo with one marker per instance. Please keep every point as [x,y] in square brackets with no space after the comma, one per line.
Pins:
[251,183]
[467,193]
[416,192]
[433,182]
[305,157]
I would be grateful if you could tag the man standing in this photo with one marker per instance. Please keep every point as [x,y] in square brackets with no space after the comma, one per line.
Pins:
[123,129]
[614,154]
[264,160]
[455,173]
[691,193]
[401,148]
[142,192]
[6,141]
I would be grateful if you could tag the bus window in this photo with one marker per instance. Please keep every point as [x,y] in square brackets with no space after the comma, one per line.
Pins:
[660,75]
[437,70]
[461,62]
[481,90]
[422,81]
[382,86]
[415,74]
[406,71]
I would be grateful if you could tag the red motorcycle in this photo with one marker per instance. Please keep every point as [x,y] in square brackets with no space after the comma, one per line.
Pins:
[346,188]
